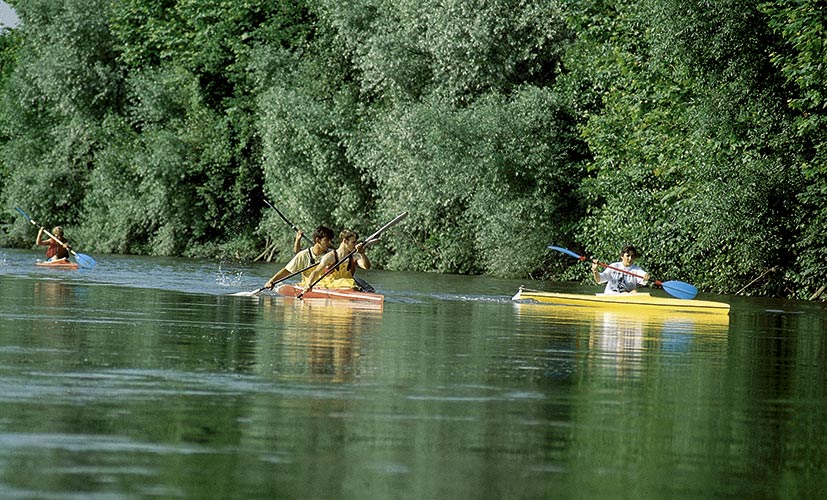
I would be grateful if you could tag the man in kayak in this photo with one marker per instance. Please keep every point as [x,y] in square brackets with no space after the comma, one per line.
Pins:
[621,282]
[322,241]
[58,249]
[342,275]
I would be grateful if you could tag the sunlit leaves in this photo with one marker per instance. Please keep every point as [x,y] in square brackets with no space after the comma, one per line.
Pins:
[306,167]
[498,172]
[458,50]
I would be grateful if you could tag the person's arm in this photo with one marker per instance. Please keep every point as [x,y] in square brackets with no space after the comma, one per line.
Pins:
[326,260]
[297,245]
[40,240]
[595,273]
[283,273]
[294,265]
[362,258]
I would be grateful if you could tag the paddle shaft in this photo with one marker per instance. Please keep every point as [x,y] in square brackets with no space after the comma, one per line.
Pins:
[630,273]
[311,266]
[370,238]
[286,221]
[256,292]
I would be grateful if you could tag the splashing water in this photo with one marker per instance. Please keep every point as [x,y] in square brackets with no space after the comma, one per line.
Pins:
[228,278]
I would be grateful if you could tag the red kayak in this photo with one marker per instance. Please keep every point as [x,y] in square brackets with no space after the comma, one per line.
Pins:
[329,293]
[57,264]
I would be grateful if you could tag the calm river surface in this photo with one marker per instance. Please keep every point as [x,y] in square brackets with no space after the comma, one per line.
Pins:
[145,378]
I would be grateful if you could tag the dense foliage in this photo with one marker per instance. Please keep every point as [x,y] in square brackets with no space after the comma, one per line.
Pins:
[694,130]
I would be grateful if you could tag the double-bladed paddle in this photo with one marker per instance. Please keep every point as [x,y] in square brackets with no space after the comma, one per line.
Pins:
[83,259]
[677,289]
[369,239]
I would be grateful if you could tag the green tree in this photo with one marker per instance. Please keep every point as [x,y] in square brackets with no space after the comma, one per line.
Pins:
[64,80]
[801,59]
[488,187]
[163,190]
[309,117]
[194,105]
[459,128]
[688,140]
[406,50]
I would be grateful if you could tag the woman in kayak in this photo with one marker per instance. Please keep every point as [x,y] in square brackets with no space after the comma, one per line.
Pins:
[322,240]
[621,282]
[58,249]
[342,276]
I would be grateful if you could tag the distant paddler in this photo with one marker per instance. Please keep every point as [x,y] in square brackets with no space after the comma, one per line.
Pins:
[58,244]
[83,259]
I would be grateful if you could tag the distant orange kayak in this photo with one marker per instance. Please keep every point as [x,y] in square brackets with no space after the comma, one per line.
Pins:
[57,264]
[329,293]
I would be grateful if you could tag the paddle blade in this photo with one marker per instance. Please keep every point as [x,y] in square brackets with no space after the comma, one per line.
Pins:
[680,290]
[567,252]
[21,212]
[84,260]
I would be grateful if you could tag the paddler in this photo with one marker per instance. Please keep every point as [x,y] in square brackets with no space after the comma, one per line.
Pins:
[57,250]
[322,241]
[619,282]
[342,276]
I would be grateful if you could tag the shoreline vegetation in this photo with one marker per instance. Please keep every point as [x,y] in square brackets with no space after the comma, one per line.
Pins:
[695,131]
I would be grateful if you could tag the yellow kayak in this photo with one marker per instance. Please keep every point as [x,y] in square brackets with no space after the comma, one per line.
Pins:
[626,301]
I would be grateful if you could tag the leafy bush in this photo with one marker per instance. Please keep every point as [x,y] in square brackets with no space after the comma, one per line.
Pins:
[482,197]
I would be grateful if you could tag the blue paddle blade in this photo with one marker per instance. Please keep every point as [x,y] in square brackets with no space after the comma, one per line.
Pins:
[84,260]
[680,290]
[24,214]
[566,251]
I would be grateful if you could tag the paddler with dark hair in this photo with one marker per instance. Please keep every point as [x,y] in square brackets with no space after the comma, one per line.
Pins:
[626,278]
[322,241]
[342,276]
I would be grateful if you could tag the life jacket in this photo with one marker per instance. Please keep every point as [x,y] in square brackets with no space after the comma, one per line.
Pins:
[348,270]
[341,276]
[57,250]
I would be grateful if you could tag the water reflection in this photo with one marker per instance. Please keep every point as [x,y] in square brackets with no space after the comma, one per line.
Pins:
[618,340]
[51,293]
[320,338]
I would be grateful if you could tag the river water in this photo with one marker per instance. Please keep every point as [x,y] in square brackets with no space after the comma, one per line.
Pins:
[146,378]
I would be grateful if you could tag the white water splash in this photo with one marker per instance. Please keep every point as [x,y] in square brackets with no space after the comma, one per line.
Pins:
[228,278]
